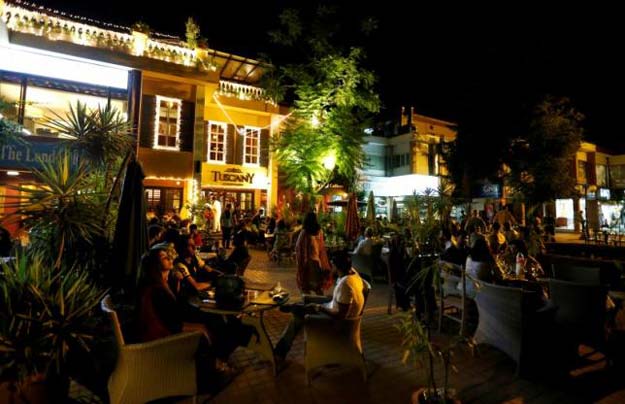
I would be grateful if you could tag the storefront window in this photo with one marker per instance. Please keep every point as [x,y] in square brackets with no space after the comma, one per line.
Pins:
[163,200]
[47,99]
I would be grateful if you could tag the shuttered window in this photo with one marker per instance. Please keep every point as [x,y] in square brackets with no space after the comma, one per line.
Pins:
[252,146]
[216,142]
[167,123]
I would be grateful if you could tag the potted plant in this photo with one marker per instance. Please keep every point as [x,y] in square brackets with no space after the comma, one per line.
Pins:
[419,349]
[45,316]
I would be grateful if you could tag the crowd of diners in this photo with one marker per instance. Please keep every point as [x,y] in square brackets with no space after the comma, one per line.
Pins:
[173,275]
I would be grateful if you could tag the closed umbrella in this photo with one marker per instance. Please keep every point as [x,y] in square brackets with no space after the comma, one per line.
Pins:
[131,238]
[370,209]
[352,221]
[394,212]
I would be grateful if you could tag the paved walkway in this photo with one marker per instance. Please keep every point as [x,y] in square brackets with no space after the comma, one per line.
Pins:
[487,378]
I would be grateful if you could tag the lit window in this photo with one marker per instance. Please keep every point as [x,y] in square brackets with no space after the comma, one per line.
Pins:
[252,146]
[217,142]
[167,126]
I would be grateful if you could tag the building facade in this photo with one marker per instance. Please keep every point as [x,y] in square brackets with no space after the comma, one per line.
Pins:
[406,159]
[201,124]
[600,178]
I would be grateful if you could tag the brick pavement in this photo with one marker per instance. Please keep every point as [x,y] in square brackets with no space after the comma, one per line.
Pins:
[487,378]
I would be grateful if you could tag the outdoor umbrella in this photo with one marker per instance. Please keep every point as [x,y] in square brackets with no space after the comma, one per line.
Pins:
[370,209]
[131,238]
[352,222]
[394,212]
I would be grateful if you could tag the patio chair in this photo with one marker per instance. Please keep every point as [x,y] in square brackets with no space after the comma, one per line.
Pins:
[509,322]
[152,370]
[452,292]
[581,313]
[577,273]
[330,342]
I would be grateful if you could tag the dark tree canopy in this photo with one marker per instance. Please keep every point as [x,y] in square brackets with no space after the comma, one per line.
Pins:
[331,96]
[541,162]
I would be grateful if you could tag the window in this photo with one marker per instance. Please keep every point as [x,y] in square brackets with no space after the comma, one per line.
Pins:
[167,123]
[252,146]
[602,175]
[581,172]
[217,142]
[46,99]
[162,200]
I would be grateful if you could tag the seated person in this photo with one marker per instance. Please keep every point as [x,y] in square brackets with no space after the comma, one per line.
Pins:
[195,274]
[347,302]
[281,239]
[195,233]
[451,252]
[480,265]
[157,313]
[240,256]
[365,246]
[507,260]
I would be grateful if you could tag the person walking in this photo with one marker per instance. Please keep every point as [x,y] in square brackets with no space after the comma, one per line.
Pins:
[313,266]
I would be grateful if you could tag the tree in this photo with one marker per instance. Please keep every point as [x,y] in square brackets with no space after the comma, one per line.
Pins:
[331,95]
[540,161]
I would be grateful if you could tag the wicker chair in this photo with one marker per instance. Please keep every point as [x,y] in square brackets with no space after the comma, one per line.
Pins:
[577,273]
[509,322]
[330,342]
[152,370]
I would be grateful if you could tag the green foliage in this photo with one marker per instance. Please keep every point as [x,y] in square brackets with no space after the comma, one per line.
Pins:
[63,211]
[419,350]
[192,33]
[102,134]
[332,96]
[426,215]
[142,27]
[540,162]
[46,313]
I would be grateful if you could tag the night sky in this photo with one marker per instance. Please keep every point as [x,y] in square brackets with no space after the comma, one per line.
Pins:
[480,66]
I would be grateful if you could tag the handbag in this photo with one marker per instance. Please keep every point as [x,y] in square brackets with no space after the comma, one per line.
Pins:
[229,292]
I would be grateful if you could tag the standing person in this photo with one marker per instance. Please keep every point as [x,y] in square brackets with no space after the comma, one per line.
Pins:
[582,222]
[227,223]
[313,266]
[216,214]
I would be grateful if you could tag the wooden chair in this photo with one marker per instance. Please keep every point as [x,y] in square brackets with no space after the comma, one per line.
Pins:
[330,342]
[152,370]
[452,292]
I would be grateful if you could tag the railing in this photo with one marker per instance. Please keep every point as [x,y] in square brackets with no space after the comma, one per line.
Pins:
[72,30]
[241,91]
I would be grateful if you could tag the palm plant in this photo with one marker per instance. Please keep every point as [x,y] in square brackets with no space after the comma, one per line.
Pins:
[422,352]
[62,211]
[46,315]
[102,135]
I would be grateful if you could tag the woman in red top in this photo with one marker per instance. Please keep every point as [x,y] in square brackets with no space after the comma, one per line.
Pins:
[313,266]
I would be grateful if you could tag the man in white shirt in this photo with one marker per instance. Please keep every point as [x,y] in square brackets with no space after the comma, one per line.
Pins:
[348,301]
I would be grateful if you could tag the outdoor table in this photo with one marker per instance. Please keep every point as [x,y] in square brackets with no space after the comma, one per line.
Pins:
[257,302]
[207,255]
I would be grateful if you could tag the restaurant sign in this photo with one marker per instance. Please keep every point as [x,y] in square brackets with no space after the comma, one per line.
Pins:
[235,176]
[29,154]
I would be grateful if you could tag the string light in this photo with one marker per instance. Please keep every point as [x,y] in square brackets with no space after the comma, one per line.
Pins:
[271,125]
